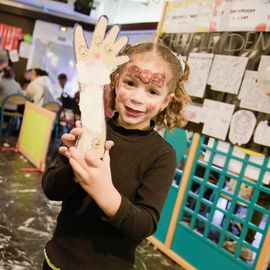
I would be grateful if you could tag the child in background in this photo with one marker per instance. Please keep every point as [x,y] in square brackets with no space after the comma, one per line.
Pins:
[8,86]
[116,201]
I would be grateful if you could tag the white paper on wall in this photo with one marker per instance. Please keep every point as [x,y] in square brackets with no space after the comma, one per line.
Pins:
[24,50]
[188,16]
[264,74]
[193,113]
[241,127]
[233,15]
[250,94]
[227,72]
[13,55]
[262,134]
[216,118]
[219,15]
[199,64]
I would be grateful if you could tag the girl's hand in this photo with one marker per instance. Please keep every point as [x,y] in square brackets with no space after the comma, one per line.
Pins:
[94,176]
[70,139]
[91,172]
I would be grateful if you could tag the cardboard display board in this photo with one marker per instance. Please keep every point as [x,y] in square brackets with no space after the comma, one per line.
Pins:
[230,93]
[35,133]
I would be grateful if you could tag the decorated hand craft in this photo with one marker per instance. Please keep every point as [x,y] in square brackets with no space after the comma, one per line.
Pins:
[94,66]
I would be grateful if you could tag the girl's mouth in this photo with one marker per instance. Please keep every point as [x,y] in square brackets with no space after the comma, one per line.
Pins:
[132,112]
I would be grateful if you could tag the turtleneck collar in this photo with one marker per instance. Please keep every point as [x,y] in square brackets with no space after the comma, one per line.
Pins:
[124,131]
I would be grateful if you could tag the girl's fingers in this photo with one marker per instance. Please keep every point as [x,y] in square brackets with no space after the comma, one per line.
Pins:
[106,157]
[66,139]
[78,170]
[109,145]
[76,131]
[69,139]
[92,160]
[64,151]
[77,157]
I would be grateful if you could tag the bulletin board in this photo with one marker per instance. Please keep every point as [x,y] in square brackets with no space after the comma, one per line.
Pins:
[35,133]
[227,46]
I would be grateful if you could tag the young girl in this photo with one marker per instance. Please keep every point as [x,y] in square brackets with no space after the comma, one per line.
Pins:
[116,202]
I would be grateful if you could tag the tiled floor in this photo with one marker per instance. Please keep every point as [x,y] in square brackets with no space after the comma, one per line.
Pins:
[27,219]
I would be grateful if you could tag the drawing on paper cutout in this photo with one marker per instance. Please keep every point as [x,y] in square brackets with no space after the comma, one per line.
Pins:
[224,67]
[262,134]
[242,125]
[199,64]
[94,66]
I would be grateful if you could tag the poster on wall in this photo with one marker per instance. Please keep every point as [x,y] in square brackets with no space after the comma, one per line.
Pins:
[218,15]
[251,96]
[24,50]
[191,16]
[13,56]
[199,64]
[239,15]
[10,37]
[227,72]
[215,113]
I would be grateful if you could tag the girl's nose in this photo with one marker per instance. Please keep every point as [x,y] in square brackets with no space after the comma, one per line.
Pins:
[138,96]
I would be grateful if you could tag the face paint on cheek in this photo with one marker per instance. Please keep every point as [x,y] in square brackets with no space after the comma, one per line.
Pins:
[152,106]
[122,94]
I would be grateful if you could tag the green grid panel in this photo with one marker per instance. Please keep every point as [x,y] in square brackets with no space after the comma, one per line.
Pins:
[219,207]
[167,211]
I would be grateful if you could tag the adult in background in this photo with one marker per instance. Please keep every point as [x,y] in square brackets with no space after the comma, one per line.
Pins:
[26,78]
[62,87]
[3,61]
[8,86]
[40,88]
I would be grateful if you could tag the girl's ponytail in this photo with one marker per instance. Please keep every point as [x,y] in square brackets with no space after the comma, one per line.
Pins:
[172,115]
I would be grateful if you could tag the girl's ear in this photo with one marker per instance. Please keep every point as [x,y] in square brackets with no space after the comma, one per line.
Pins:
[166,101]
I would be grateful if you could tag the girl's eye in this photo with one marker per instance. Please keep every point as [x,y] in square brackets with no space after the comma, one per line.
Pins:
[129,83]
[153,92]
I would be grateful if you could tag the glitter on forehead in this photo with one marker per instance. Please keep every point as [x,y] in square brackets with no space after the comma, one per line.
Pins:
[146,76]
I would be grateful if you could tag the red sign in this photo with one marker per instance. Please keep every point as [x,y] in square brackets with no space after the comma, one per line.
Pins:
[10,37]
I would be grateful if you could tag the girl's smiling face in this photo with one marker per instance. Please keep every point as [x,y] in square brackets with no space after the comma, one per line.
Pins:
[142,91]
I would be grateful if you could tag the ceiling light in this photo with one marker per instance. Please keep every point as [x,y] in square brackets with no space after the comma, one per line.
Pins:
[63,28]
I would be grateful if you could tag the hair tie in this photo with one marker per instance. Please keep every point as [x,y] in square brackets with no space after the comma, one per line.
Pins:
[182,63]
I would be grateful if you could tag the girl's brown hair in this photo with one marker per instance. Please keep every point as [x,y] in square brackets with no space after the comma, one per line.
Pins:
[171,116]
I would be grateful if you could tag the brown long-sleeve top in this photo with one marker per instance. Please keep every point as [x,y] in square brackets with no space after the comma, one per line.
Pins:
[142,167]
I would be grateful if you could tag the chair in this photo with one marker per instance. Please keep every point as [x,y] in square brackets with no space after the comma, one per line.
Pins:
[54,106]
[70,111]
[18,99]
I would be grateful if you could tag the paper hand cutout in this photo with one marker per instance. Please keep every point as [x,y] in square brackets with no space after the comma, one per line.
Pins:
[103,47]
[94,66]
